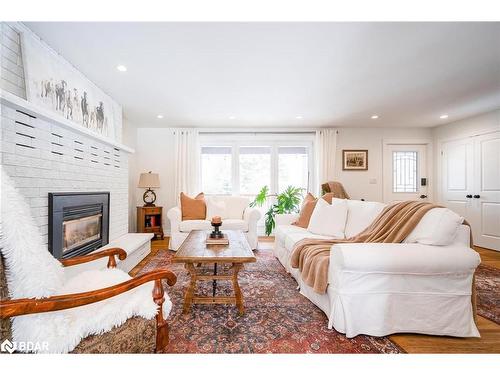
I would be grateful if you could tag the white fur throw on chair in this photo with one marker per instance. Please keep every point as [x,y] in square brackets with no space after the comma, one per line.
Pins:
[32,272]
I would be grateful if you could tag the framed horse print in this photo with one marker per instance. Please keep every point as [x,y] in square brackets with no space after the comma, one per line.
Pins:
[53,83]
[354,160]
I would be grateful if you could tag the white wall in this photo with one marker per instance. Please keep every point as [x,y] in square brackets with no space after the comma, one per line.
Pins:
[154,151]
[357,183]
[129,138]
[469,127]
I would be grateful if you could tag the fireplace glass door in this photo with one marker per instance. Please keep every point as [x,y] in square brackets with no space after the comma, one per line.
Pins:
[79,232]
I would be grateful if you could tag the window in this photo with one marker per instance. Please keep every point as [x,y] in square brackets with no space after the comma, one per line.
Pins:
[243,164]
[216,165]
[254,168]
[293,167]
[404,167]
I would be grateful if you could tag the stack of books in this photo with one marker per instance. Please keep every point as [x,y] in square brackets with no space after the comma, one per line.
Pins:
[217,241]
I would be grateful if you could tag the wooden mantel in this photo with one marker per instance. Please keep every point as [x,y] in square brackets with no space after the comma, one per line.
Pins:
[32,109]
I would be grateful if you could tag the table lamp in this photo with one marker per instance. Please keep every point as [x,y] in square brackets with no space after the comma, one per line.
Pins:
[149,180]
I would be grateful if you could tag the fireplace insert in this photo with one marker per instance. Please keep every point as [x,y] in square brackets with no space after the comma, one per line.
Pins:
[78,223]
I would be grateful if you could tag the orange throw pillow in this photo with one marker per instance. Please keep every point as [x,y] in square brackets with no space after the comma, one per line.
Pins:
[306,211]
[193,208]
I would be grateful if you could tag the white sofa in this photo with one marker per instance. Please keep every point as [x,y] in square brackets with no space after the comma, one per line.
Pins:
[379,289]
[236,216]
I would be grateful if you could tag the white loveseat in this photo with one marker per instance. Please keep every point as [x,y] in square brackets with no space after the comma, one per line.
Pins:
[380,289]
[237,215]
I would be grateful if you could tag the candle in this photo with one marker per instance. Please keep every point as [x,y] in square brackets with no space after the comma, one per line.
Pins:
[216,220]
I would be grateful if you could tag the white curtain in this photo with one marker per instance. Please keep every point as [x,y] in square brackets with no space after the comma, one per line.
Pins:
[187,162]
[325,150]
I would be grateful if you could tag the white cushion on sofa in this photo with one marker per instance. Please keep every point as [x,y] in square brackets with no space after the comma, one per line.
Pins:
[215,207]
[329,219]
[282,231]
[360,215]
[234,224]
[439,227]
[189,225]
[292,238]
[397,257]
[235,206]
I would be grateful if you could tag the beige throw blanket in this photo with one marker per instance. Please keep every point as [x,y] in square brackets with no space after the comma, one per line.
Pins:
[393,224]
[336,188]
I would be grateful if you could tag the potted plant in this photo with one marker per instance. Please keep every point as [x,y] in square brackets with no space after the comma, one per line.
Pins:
[287,202]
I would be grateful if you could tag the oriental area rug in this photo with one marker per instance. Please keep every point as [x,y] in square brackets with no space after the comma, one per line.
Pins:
[277,319]
[488,292]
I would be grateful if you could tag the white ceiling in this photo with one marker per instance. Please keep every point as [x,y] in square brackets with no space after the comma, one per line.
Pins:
[267,74]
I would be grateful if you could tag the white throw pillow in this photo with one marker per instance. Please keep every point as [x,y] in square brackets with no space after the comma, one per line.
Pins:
[328,219]
[360,215]
[215,207]
[439,226]
[235,206]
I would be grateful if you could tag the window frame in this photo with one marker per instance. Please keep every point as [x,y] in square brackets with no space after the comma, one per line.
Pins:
[416,185]
[274,141]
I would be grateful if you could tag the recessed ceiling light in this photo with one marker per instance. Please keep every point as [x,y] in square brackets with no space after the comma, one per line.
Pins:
[298,117]
[374,117]
[232,117]
[159,116]
[121,68]
[443,117]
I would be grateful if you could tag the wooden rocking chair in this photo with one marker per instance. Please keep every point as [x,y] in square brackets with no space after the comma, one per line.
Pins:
[136,335]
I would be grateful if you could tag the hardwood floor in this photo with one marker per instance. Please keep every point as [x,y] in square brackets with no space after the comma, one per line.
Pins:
[489,257]
[489,342]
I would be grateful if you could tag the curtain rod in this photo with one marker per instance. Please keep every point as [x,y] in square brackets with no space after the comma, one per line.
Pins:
[257,133]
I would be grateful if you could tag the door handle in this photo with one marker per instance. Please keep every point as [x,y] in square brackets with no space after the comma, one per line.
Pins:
[477,196]
[468,196]
[423,196]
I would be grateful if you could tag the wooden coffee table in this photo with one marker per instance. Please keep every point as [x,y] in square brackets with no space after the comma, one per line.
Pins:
[195,252]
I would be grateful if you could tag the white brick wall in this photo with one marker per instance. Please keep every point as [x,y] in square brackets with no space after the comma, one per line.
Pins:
[44,157]
[11,61]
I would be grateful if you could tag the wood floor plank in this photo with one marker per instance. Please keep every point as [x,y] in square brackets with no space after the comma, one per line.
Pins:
[489,257]
[489,342]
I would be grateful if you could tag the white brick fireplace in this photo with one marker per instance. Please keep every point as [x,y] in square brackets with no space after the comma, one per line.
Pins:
[42,156]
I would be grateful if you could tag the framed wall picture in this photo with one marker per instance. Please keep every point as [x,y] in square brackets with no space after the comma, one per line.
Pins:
[354,160]
[53,83]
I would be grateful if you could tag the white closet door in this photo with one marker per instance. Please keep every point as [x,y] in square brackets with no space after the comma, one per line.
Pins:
[486,196]
[457,176]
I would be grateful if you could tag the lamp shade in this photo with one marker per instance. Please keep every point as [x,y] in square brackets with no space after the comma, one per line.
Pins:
[149,180]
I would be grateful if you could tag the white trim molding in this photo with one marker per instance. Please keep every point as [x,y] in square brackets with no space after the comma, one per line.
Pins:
[47,115]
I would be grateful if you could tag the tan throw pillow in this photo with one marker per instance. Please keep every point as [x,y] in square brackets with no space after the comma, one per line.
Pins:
[306,211]
[193,208]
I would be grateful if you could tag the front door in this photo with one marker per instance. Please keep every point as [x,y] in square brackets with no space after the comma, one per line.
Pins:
[405,172]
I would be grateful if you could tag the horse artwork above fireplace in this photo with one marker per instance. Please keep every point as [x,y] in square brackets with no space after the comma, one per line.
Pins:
[78,223]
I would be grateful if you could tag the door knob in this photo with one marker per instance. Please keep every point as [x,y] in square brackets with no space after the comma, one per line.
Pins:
[477,196]
[468,196]
[423,196]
